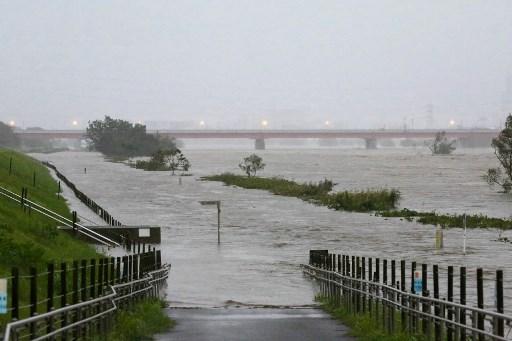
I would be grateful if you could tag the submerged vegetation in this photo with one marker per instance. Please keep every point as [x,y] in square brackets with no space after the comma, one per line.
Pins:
[119,138]
[441,145]
[449,220]
[381,201]
[319,193]
[503,150]
[165,160]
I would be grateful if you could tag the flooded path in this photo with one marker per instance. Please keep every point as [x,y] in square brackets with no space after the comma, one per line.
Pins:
[266,237]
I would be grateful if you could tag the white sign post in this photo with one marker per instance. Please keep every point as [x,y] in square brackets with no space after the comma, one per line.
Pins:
[215,202]
[3,296]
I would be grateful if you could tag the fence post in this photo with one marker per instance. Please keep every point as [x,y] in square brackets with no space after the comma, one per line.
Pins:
[63,296]
[118,270]
[112,270]
[393,296]
[49,302]
[376,278]
[136,266]
[75,295]
[363,277]
[92,278]
[370,287]
[125,268]
[449,327]
[358,286]
[10,165]
[412,303]
[437,307]
[15,299]
[425,306]
[480,299]
[83,287]
[33,300]
[462,295]
[100,276]
[498,323]
[403,316]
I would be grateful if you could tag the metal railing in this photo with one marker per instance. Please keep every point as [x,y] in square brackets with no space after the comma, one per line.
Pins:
[84,319]
[396,310]
[33,206]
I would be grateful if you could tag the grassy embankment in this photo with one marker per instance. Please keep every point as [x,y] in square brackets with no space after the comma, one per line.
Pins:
[363,326]
[381,201]
[318,193]
[32,240]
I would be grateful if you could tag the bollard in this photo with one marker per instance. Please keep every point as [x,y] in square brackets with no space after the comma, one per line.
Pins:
[439,238]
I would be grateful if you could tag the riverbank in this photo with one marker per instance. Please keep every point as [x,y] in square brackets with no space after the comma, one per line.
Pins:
[31,240]
[318,193]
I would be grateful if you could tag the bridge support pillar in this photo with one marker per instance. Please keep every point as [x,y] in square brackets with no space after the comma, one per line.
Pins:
[259,144]
[371,143]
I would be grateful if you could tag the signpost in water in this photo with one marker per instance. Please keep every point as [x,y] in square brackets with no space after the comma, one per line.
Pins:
[214,202]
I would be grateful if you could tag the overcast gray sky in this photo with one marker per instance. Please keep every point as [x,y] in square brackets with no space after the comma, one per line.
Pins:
[354,63]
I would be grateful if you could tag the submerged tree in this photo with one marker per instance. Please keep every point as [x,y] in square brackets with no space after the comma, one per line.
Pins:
[115,137]
[251,164]
[441,145]
[165,160]
[7,136]
[503,150]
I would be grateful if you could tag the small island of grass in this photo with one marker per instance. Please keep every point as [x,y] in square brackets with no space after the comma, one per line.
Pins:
[318,193]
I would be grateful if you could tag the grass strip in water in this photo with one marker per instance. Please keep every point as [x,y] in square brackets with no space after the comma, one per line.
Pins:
[448,220]
[319,193]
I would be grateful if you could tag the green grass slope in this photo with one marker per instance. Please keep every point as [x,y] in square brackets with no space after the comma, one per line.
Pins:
[31,239]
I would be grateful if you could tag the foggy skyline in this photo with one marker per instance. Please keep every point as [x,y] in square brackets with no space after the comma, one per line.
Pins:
[356,64]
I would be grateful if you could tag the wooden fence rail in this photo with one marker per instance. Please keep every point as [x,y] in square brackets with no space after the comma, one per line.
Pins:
[95,207]
[366,285]
[71,284]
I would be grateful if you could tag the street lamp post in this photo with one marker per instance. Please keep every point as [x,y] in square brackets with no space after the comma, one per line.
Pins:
[217,203]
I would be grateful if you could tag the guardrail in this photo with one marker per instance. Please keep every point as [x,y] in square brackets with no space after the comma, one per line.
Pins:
[353,283]
[29,205]
[84,198]
[86,304]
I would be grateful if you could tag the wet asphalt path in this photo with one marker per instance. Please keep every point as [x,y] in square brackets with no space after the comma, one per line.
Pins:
[254,325]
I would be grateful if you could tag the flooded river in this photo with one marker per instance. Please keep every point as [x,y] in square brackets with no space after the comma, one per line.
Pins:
[265,237]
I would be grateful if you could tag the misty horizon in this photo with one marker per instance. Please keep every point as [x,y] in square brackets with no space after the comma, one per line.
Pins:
[233,64]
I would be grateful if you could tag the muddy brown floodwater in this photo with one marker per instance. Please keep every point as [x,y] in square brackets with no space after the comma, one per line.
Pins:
[266,237]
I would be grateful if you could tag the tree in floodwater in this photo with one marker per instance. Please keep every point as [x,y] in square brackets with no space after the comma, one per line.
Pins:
[165,160]
[441,145]
[119,138]
[251,164]
[176,161]
[503,150]
[7,136]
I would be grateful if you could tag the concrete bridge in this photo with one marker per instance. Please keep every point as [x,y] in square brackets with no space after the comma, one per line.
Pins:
[482,136]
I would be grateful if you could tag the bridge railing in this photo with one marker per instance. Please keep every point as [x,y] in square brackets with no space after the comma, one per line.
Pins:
[361,286]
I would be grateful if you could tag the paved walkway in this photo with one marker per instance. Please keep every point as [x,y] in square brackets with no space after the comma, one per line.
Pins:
[256,324]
